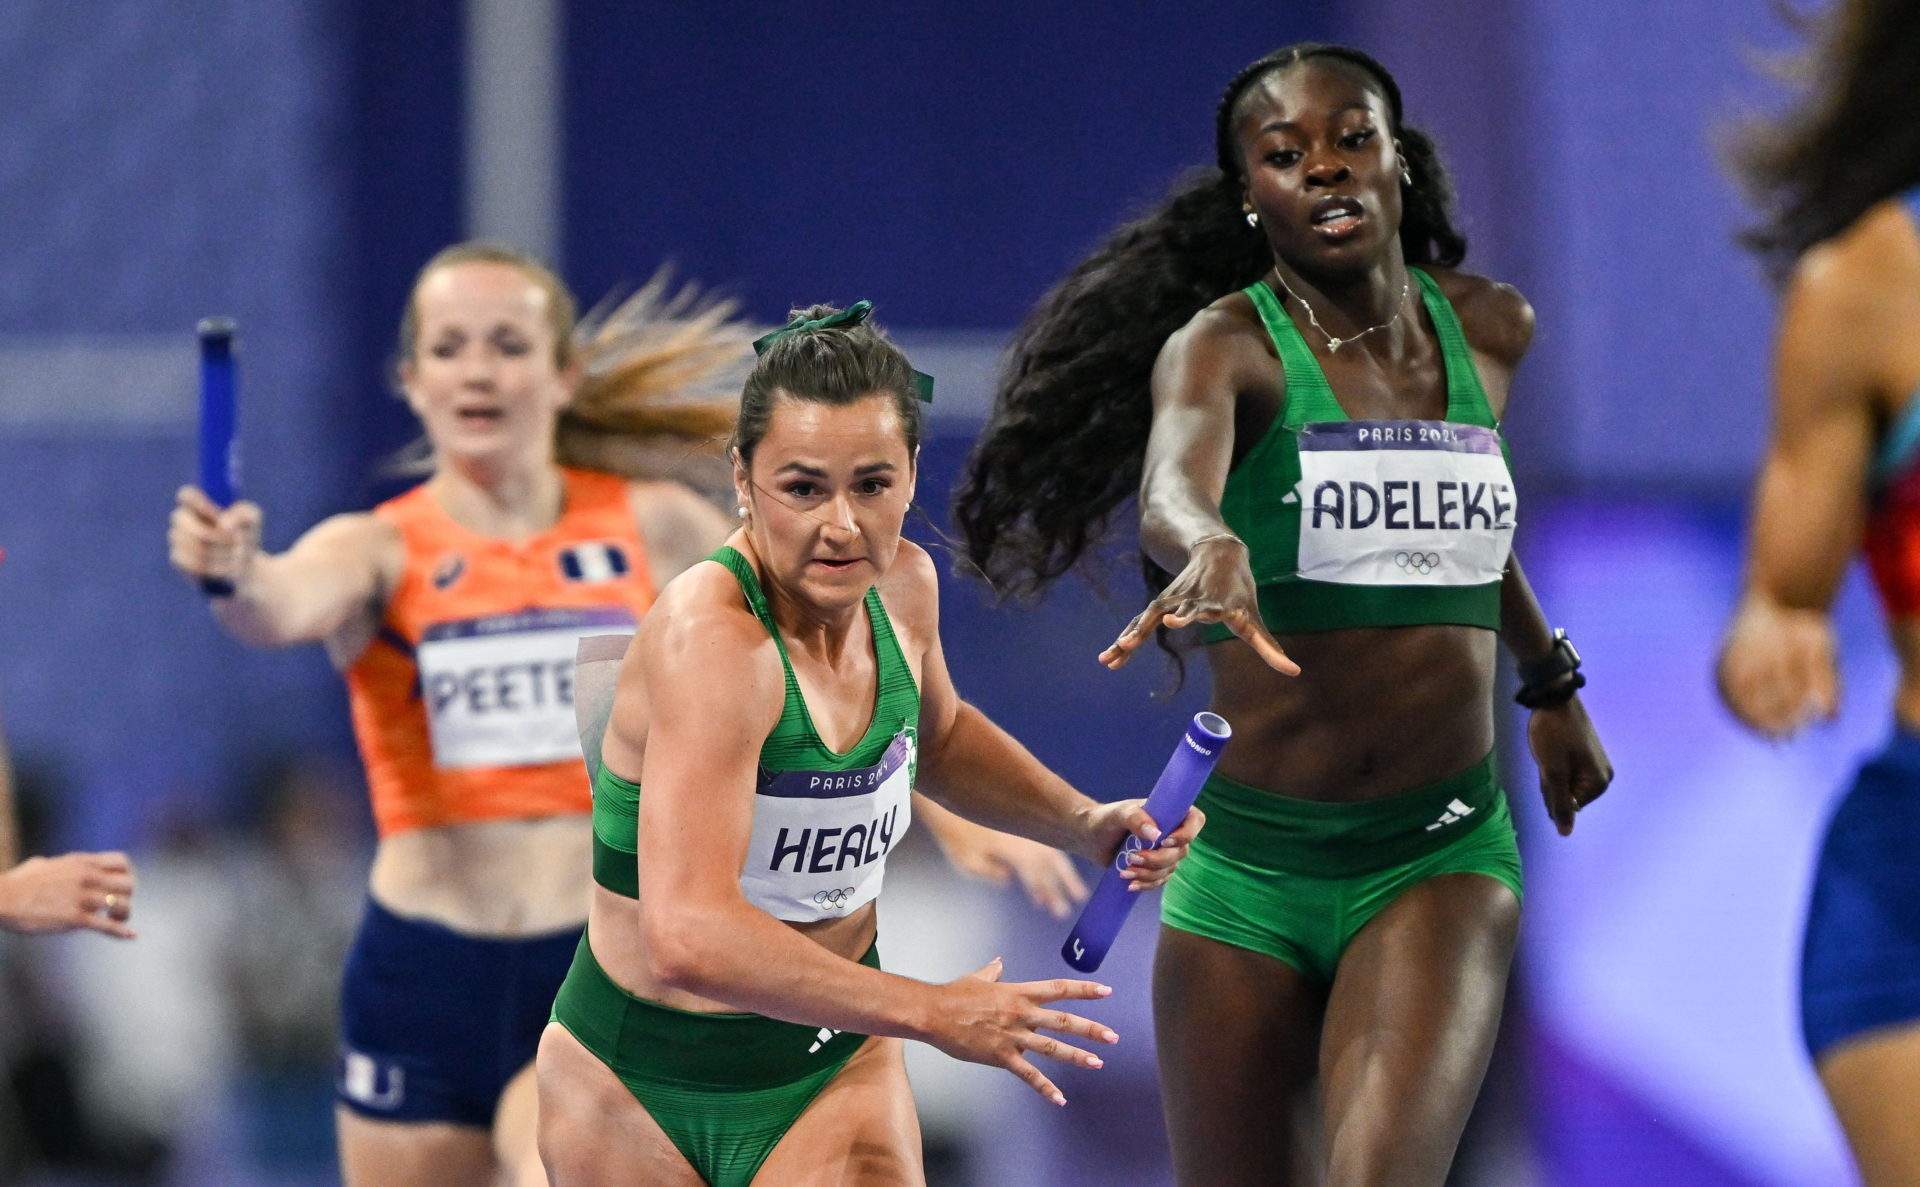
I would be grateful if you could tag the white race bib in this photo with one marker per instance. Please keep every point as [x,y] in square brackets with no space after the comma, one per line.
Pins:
[821,838]
[1403,502]
[499,690]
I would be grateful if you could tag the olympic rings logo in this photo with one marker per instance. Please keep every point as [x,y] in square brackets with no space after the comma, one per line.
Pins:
[833,900]
[1417,562]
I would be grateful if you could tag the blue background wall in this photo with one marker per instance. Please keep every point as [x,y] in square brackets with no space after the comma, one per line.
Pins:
[157,165]
[948,162]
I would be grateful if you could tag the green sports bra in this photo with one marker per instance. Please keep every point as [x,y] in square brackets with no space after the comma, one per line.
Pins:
[1356,523]
[823,823]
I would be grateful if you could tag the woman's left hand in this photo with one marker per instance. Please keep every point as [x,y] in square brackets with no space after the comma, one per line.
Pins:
[1046,874]
[1109,826]
[1574,768]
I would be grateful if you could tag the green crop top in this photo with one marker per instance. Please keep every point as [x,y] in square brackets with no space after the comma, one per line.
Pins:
[823,822]
[1357,523]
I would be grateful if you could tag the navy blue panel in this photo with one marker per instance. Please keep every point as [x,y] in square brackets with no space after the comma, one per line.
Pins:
[159,163]
[406,169]
[111,666]
[948,161]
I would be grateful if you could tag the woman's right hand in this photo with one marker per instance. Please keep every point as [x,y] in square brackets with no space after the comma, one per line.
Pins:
[76,890]
[205,541]
[1216,586]
[981,1020]
[1776,671]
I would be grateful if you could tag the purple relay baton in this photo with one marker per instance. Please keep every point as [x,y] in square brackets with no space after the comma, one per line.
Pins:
[1174,793]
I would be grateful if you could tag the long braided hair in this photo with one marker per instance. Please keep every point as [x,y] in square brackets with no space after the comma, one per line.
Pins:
[1064,448]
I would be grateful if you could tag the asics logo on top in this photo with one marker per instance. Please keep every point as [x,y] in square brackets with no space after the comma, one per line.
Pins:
[1456,811]
[449,570]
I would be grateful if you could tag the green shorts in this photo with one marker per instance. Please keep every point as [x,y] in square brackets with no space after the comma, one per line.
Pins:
[1297,879]
[725,1087]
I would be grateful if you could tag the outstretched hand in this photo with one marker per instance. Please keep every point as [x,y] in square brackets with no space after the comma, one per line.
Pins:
[981,1020]
[1216,586]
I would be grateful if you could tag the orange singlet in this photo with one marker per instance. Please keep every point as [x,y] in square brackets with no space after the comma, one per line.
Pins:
[463,704]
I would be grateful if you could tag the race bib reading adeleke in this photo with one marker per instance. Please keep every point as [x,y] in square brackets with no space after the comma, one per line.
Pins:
[821,838]
[499,690]
[1403,502]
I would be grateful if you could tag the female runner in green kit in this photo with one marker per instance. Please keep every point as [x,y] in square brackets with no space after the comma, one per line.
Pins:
[1307,395]
[778,705]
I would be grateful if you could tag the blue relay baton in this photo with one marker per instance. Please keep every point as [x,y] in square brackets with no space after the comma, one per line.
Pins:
[219,464]
[1174,793]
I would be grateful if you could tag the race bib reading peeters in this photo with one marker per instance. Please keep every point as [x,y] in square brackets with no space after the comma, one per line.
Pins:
[821,838]
[499,690]
[1403,502]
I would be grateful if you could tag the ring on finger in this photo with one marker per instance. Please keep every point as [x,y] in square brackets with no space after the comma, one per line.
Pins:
[112,903]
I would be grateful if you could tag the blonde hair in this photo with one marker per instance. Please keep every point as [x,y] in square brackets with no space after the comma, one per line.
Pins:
[659,370]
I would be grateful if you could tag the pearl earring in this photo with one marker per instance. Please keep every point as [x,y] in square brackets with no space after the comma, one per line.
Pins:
[741,511]
[1406,174]
[1253,220]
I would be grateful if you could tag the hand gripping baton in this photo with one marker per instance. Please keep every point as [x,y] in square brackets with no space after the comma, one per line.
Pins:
[218,392]
[1172,795]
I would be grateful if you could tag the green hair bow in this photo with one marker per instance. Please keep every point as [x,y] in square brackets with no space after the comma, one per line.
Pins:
[853,315]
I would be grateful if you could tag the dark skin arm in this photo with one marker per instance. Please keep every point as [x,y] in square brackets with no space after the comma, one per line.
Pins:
[1574,768]
[1573,765]
[1203,374]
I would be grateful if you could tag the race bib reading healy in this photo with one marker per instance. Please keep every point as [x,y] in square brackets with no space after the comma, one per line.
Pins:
[499,690]
[1403,502]
[821,838]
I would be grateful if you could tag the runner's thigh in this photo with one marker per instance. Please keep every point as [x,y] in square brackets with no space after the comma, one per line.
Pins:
[592,1131]
[861,1131]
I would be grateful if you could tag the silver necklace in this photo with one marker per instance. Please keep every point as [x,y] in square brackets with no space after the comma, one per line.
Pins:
[1334,344]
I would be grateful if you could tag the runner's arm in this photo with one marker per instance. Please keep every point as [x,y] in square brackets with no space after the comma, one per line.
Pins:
[699,765]
[1776,670]
[336,574]
[971,765]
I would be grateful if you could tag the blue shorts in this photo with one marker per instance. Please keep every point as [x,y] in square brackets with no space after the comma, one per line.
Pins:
[433,1024]
[1860,967]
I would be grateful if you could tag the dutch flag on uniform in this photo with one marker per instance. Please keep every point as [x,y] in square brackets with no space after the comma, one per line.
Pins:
[598,561]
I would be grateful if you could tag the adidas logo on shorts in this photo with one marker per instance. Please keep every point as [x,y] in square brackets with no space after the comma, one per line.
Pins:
[1455,811]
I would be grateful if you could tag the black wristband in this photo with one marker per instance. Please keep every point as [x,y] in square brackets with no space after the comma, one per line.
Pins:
[1534,697]
[1553,678]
